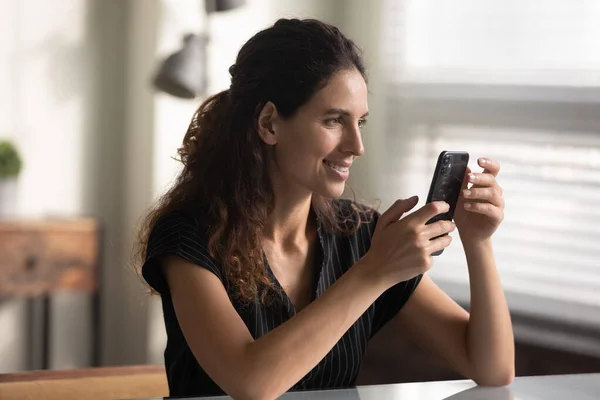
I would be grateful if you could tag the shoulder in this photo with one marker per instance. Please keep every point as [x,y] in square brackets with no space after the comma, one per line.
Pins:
[176,229]
[177,223]
[177,233]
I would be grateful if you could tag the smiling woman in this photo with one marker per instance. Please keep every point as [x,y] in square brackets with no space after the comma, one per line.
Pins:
[269,281]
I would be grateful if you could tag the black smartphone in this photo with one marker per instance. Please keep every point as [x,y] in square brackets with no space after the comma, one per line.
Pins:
[447,182]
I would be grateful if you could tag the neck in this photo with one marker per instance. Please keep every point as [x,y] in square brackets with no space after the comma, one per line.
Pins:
[289,223]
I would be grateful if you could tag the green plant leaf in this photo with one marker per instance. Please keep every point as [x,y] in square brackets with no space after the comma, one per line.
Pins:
[10,160]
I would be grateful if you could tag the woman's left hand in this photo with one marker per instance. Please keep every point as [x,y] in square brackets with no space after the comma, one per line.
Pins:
[480,209]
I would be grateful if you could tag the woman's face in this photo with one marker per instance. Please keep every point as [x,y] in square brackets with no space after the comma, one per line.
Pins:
[314,149]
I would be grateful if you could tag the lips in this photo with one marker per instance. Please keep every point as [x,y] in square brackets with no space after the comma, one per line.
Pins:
[340,166]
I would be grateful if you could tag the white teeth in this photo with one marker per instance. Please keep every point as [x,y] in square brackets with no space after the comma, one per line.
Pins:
[337,167]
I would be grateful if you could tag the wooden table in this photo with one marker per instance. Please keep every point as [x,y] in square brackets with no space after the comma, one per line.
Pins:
[41,257]
[90,384]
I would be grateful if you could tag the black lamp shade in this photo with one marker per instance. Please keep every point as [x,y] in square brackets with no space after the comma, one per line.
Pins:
[222,5]
[183,74]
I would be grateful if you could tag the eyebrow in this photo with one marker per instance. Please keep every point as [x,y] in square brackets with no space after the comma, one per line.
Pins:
[342,112]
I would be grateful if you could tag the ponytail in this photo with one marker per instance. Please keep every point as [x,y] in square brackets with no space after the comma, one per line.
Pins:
[206,124]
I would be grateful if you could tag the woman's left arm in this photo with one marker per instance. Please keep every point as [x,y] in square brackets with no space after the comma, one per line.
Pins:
[490,339]
[479,345]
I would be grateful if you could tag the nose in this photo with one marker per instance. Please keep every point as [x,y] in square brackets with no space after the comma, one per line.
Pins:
[353,143]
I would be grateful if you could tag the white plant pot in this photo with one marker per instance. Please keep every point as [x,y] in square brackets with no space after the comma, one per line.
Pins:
[8,198]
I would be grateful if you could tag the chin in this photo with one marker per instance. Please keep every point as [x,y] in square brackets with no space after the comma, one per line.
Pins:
[332,191]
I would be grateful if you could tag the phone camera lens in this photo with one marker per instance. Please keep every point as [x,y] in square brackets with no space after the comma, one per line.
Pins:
[447,158]
[444,170]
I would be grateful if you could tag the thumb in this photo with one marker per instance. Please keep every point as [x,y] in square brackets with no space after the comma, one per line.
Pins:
[397,209]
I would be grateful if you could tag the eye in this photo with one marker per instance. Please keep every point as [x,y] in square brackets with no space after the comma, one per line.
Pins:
[362,123]
[333,121]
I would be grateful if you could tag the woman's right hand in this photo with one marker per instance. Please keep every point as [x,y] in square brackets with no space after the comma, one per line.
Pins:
[401,248]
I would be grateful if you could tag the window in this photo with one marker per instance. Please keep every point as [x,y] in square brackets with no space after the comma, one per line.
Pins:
[518,82]
[551,42]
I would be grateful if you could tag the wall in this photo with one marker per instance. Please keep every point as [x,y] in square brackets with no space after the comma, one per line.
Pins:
[361,21]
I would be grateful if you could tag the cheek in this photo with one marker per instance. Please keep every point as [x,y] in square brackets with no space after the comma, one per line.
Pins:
[309,146]
[321,142]
[299,157]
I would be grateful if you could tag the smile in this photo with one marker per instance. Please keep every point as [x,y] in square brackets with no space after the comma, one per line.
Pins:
[337,167]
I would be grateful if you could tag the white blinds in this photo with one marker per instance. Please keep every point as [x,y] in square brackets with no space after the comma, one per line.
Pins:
[548,248]
[549,242]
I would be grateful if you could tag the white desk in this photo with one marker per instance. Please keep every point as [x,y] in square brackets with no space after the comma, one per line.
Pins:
[553,387]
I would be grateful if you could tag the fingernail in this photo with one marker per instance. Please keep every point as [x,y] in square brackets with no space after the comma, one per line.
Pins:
[412,198]
[467,192]
[483,160]
[472,177]
[468,205]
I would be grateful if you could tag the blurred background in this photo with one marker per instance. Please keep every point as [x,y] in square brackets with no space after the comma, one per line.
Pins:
[88,131]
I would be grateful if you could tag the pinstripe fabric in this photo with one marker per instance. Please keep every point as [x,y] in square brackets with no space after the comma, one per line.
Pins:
[185,236]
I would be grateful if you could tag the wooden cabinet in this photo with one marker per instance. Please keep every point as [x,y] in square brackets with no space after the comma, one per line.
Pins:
[41,257]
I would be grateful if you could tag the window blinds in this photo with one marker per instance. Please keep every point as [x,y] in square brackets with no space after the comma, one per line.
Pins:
[548,247]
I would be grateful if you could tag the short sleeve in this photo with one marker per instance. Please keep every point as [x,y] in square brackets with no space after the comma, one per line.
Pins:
[180,235]
[393,299]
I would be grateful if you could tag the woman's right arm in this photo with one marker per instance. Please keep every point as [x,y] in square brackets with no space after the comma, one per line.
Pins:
[269,366]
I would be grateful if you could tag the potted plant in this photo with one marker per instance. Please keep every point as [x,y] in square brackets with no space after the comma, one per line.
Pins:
[10,168]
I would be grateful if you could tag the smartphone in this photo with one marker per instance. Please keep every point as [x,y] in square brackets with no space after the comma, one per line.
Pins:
[447,182]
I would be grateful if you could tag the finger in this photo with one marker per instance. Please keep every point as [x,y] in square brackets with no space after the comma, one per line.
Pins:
[484,208]
[429,211]
[465,181]
[489,165]
[482,179]
[485,194]
[438,228]
[439,244]
[397,209]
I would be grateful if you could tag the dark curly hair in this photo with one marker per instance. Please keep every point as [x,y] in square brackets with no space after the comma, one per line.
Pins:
[224,172]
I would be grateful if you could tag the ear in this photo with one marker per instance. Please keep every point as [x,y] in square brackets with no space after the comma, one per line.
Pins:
[266,123]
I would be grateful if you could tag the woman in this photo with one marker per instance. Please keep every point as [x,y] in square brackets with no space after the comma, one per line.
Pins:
[268,281]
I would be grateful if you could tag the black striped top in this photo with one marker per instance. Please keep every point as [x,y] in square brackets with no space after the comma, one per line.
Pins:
[185,236]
